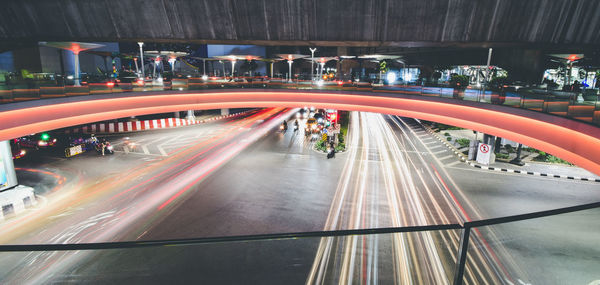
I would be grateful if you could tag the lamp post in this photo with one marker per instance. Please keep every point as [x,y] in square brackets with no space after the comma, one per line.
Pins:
[137,70]
[322,63]
[76,59]
[290,61]
[232,67]
[142,58]
[156,62]
[487,73]
[312,63]
[172,62]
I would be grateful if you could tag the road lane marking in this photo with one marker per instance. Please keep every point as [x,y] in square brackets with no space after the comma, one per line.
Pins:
[446,157]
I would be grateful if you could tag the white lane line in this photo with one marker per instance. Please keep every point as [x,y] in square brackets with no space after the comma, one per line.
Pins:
[133,152]
[145,149]
[162,151]
[453,163]
[441,151]
[446,157]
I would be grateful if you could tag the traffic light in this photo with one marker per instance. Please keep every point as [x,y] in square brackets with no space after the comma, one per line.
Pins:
[45,136]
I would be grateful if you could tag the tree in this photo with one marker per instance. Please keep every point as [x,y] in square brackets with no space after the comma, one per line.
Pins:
[459,81]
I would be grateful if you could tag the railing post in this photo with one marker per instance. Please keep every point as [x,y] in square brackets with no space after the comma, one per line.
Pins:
[461,257]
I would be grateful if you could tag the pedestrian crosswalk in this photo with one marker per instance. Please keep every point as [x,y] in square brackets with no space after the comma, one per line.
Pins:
[155,145]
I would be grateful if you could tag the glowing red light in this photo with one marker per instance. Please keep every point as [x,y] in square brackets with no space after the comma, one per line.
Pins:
[340,82]
[110,84]
[140,82]
[572,57]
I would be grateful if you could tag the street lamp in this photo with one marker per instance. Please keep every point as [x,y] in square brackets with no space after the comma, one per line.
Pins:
[142,58]
[312,63]
[290,61]
[156,63]
[232,67]
[172,62]
[322,63]
[137,70]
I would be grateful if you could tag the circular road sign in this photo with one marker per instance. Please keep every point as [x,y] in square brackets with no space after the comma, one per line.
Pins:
[484,148]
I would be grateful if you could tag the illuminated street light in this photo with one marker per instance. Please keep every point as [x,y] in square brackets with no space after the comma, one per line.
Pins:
[312,62]
[172,62]
[142,58]
[76,48]
[137,70]
[290,59]
[391,78]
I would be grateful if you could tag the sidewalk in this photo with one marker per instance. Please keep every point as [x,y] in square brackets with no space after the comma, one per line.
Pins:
[562,171]
[547,168]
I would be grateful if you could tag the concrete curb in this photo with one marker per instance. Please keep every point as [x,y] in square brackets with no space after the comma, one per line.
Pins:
[464,159]
[127,127]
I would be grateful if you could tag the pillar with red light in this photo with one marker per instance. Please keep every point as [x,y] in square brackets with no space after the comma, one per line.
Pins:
[76,48]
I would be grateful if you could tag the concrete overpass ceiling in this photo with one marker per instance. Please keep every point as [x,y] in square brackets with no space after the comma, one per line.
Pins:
[409,23]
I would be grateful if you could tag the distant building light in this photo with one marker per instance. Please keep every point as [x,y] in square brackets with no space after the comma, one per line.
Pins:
[391,77]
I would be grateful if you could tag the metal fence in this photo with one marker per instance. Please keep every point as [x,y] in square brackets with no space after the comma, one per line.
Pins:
[466,238]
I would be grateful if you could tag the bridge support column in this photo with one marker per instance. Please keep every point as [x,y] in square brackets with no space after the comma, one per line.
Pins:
[190,115]
[224,112]
[490,140]
[176,114]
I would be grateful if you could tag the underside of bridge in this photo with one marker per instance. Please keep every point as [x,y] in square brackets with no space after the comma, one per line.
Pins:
[408,23]
[539,130]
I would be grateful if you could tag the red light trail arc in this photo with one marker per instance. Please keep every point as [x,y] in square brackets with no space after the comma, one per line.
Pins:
[538,130]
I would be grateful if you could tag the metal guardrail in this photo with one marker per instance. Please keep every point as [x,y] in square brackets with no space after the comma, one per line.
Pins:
[461,254]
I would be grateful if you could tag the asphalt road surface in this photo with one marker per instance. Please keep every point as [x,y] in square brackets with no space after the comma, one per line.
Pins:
[243,176]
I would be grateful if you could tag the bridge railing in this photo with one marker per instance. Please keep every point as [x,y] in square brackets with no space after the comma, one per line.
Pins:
[582,105]
[532,248]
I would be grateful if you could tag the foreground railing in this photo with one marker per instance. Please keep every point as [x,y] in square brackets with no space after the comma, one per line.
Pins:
[486,247]
[581,105]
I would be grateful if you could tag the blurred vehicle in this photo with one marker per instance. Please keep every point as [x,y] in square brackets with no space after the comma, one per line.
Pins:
[302,114]
[36,141]
[312,127]
[17,152]
[104,147]
[283,127]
